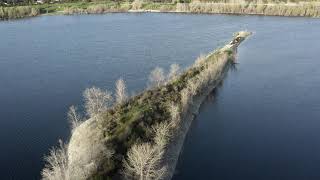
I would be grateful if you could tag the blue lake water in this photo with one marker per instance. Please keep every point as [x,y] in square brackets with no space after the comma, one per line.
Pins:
[262,123]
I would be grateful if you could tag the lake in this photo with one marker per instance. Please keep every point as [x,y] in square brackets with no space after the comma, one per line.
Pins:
[262,123]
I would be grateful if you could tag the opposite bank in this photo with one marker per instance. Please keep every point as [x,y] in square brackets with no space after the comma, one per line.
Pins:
[306,9]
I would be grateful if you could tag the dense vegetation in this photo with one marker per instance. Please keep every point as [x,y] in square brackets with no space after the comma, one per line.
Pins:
[18,12]
[310,9]
[129,138]
[261,7]
[30,2]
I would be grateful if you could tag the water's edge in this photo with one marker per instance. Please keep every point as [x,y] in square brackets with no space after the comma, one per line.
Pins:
[175,146]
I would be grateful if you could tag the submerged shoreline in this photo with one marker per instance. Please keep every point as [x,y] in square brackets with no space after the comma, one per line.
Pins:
[303,9]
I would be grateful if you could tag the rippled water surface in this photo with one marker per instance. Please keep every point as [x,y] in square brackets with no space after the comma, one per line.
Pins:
[262,123]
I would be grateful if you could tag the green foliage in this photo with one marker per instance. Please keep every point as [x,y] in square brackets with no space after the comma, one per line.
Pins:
[229,51]
[152,6]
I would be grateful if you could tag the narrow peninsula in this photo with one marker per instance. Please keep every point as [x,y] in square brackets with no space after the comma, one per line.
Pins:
[139,137]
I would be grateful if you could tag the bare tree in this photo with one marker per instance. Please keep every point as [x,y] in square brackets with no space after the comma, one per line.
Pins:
[137,4]
[88,149]
[144,162]
[96,101]
[84,164]
[181,7]
[200,60]
[56,167]
[175,114]
[186,97]
[162,133]
[193,85]
[121,94]
[156,77]
[174,71]
[74,118]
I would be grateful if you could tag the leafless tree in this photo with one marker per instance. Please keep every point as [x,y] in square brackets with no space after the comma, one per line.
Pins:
[86,163]
[175,114]
[88,148]
[200,60]
[156,77]
[193,85]
[186,97]
[96,101]
[144,162]
[162,133]
[181,7]
[74,118]
[121,94]
[56,167]
[174,71]
[137,4]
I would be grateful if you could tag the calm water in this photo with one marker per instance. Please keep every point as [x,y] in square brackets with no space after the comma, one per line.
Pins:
[263,123]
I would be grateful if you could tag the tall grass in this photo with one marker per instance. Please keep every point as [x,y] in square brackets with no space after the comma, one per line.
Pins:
[258,7]
[18,12]
[98,9]
[310,9]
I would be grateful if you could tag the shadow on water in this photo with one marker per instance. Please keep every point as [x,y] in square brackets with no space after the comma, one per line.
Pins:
[209,101]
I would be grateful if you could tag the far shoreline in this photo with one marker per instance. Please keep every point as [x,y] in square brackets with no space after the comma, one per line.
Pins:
[306,9]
